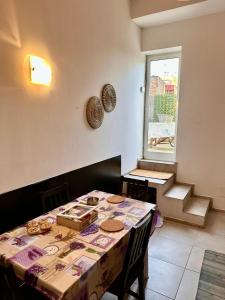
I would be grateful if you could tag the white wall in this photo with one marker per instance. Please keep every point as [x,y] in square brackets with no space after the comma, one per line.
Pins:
[201,127]
[43,131]
[140,8]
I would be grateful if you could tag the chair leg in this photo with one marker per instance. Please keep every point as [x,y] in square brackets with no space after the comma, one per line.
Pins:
[8,284]
[141,285]
[122,296]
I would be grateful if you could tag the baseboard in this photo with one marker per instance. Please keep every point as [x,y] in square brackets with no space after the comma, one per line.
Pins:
[218,210]
[184,222]
[203,197]
[187,184]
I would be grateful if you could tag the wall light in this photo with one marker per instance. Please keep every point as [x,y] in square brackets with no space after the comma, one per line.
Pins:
[40,71]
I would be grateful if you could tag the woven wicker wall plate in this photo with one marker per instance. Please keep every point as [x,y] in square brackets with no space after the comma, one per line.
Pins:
[95,112]
[108,97]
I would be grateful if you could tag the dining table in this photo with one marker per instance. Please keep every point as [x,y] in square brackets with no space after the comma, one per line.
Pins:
[67,264]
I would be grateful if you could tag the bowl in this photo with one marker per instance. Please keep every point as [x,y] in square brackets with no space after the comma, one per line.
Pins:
[92,201]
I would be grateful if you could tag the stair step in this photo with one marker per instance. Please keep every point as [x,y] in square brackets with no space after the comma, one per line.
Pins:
[151,174]
[150,180]
[179,191]
[159,166]
[197,206]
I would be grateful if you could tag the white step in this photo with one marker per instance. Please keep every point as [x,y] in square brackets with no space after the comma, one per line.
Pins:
[150,180]
[197,206]
[179,191]
[161,184]
[160,166]
[178,204]
[195,211]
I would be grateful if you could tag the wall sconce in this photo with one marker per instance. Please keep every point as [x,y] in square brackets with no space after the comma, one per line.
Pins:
[40,71]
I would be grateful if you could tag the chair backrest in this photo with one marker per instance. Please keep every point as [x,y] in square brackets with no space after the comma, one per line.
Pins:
[137,247]
[54,197]
[136,189]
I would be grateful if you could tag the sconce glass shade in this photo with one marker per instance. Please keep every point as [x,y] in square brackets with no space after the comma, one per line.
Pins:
[40,71]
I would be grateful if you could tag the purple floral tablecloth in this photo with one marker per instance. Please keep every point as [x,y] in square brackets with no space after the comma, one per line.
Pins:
[67,264]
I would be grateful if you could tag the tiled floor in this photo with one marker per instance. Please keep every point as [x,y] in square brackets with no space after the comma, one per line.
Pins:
[176,253]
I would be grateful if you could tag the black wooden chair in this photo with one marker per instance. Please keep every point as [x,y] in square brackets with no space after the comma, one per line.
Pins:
[54,197]
[12,288]
[136,189]
[9,286]
[133,267]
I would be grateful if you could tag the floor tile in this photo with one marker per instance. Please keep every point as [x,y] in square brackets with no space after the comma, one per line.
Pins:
[156,231]
[170,251]
[179,232]
[209,241]
[108,296]
[189,286]
[151,295]
[164,278]
[196,259]
[153,237]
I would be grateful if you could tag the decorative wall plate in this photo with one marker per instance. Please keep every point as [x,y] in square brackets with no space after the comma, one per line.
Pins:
[108,97]
[95,112]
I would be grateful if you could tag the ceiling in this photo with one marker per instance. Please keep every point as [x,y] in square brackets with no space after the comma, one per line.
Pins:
[140,8]
[188,11]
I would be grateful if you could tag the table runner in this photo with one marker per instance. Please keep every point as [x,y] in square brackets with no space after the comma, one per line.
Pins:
[67,264]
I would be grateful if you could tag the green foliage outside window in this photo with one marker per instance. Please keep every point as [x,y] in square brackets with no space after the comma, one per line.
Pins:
[164,104]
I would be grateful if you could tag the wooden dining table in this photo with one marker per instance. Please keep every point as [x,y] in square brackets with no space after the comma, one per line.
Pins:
[68,264]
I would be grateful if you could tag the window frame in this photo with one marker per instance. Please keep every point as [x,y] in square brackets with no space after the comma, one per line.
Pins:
[159,156]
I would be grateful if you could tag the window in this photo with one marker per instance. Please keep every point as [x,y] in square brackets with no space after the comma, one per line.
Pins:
[162,90]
